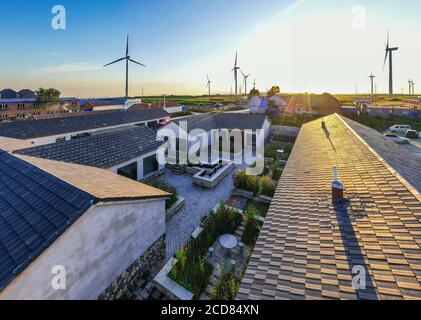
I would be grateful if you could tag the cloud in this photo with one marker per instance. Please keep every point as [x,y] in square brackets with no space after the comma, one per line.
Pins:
[70,67]
[292,7]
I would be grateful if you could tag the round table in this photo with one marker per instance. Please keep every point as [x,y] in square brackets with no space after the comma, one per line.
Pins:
[228,241]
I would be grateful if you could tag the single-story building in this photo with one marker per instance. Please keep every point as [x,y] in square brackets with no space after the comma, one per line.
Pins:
[74,232]
[129,151]
[46,131]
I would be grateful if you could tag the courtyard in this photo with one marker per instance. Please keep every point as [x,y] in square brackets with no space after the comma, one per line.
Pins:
[199,201]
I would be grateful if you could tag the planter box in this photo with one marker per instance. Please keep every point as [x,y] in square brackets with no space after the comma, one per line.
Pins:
[168,286]
[259,218]
[243,193]
[229,207]
[196,232]
[193,170]
[174,208]
[264,199]
[213,181]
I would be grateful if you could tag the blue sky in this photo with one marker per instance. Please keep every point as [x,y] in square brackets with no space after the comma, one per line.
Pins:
[182,41]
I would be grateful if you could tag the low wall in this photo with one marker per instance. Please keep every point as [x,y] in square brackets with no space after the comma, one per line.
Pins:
[212,182]
[125,284]
[284,131]
[174,208]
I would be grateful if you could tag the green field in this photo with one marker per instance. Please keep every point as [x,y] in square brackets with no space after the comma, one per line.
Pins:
[348,99]
[192,100]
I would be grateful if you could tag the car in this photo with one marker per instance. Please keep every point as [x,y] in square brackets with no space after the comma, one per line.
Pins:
[412,134]
[397,139]
[400,128]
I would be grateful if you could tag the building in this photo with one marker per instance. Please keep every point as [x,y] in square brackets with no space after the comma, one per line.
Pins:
[412,103]
[209,122]
[129,151]
[107,104]
[47,131]
[97,230]
[311,247]
[23,104]
[169,106]
[383,111]
[325,104]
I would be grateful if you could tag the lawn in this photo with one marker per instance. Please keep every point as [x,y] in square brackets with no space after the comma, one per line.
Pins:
[292,120]
[271,148]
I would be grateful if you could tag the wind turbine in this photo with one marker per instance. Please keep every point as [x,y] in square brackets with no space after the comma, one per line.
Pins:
[410,86]
[413,87]
[254,83]
[389,52]
[208,85]
[245,81]
[235,69]
[127,58]
[372,76]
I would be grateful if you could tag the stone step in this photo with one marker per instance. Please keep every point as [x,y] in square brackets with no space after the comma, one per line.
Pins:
[241,228]
[238,233]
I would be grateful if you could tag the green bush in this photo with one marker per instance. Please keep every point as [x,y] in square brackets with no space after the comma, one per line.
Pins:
[252,226]
[268,186]
[277,173]
[227,287]
[192,270]
[246,182]
[165,186]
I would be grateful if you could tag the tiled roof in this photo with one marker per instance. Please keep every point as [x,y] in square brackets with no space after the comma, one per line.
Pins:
[103,184]
[10,144]
[29,129]
[225,120]
[35,208]
[102,149]
[308,245]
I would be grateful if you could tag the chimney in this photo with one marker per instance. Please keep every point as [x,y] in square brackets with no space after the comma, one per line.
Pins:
[323,123]
[337,186]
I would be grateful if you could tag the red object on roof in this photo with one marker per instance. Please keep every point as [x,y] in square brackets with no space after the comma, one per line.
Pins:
[164,121]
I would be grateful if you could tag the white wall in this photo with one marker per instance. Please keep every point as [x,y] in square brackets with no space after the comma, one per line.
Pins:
[95,250]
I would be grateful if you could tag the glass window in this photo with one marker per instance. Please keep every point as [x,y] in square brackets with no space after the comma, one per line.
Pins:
[150,165]
[129,171]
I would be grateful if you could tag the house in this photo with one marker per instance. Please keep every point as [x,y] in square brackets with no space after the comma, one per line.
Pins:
[95,230]
[129,151]
[23,104]
[325,104]
[169,106]
[47,131]
[187,128]
[107,104]
[364,246]
[412,103]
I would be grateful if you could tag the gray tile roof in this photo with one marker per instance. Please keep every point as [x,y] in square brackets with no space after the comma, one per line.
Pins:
[225,120]
[101,149]
[30,129]
[309,246]
[35,209]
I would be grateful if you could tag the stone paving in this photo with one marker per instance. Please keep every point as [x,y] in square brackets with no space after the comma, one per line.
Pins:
[199,201]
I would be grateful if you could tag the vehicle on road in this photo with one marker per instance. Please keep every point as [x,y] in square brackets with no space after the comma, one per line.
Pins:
[400,128]
[412,134]
[396,138]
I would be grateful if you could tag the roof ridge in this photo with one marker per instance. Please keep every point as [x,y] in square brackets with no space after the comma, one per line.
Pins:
[394,172]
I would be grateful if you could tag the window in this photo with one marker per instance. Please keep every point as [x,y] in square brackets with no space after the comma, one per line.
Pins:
[129,171]
[150,165]
[21,106]
[4,106]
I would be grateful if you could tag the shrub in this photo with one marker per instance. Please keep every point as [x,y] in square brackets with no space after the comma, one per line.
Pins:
[252,226]
[165,186]
[192,270]
[246,182]
[227,287]
[277,173]
[268,186]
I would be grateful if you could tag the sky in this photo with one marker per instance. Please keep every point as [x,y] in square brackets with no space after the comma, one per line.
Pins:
[299,45]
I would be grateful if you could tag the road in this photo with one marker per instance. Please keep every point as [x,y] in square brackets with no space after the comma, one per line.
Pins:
[414,147]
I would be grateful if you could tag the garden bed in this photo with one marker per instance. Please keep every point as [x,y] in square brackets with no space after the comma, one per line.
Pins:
[210,178]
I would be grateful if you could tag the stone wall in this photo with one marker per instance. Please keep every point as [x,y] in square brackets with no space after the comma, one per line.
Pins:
[125,284]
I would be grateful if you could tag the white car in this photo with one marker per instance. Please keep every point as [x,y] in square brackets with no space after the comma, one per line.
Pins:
[400,128]
[397,139]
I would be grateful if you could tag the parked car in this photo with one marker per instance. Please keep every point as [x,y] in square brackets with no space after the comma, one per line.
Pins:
[397,139]
[412,134]
[399,128]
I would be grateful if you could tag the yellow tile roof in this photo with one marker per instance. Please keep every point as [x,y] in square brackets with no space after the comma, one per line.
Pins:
[11,144]
[103,184]
[311,248]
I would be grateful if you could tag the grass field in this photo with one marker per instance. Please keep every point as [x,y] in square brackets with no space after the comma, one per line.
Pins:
[348,99]
[193,100]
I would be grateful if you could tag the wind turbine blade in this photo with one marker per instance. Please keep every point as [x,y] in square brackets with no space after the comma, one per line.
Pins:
[137,62]
[207,77]
[385,58]
[236,55]
[243,74]
[127,46]
[114,61]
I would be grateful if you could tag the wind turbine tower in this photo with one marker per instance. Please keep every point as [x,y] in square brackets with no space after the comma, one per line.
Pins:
[372,76]
[127,58]
[389,52]
[235,69]
[208,85]
[245,81]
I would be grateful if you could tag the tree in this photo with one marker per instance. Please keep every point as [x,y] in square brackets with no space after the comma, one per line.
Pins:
[47,97]
[274,90]
[254,93]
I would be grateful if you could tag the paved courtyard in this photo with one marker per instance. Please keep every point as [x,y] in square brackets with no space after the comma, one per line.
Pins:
[199,201]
